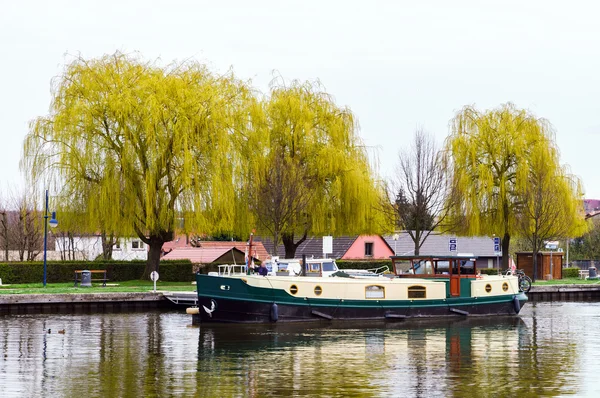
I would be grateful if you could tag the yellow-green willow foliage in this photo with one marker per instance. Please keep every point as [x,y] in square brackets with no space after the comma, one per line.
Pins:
[140,144]
[552,204]
[492,155]
[308,171]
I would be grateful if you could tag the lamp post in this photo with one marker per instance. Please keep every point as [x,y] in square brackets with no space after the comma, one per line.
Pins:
[396,236]
[53,223]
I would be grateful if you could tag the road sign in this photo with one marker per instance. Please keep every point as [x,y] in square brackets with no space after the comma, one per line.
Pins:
[497,249]
[452,244]
[154,278]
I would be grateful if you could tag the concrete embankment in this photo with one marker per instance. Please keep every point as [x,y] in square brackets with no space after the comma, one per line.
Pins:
[564,292]
[84,302]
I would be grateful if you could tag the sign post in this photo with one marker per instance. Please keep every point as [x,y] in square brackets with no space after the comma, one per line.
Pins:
[154,278]
[497,251]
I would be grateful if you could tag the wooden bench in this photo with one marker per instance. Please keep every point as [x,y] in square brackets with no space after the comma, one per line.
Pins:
[584,273]
[92,271]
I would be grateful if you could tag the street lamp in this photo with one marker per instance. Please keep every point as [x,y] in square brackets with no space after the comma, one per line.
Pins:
[53,223]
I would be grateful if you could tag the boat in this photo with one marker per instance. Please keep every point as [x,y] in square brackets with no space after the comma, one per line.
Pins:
[419,287]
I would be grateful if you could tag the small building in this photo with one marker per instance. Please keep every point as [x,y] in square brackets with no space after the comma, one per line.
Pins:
[548,263]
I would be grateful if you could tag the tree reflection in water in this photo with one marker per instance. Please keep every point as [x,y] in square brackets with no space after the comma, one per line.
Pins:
[547,351]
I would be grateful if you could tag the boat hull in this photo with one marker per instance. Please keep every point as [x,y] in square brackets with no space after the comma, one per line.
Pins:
[266,305]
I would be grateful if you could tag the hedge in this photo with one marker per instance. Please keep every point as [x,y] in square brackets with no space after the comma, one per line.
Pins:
[349,264]
[63,271]
[570,272]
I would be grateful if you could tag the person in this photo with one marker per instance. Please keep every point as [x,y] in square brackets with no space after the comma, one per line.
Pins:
[262,270]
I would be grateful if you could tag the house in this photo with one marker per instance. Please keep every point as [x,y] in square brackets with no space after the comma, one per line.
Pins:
[363,247]
[439,244]
[208,255]
[205,252]
[89,247]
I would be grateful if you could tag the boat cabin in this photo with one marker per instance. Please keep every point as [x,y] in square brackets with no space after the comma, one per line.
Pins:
[458,270]
[293,267]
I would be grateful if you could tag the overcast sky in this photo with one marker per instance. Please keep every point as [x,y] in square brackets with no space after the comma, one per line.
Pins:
[398,65]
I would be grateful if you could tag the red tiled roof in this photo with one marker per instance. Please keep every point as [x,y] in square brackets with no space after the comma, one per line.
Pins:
[204,255]
[258,250]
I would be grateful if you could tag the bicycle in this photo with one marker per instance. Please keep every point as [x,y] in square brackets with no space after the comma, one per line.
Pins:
[524,280]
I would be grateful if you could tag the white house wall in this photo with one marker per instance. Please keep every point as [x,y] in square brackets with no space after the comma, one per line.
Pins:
[90,247]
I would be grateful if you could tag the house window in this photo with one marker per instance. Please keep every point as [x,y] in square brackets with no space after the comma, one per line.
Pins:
[368,249]
[117,246]
[136,244]
[416,292]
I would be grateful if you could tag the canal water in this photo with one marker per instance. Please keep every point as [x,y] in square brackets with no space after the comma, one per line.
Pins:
[552,349]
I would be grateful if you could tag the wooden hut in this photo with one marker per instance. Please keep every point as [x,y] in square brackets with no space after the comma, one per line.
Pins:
[548,263]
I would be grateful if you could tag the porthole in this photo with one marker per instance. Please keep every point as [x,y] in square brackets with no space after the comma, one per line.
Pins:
[505,286]
[318,290]
[293,289]
[488,288]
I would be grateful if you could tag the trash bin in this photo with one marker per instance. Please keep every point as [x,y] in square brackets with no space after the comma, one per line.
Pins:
[86,278]
[593,274]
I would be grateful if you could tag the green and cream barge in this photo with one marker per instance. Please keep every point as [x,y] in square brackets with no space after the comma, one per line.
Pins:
[419,287]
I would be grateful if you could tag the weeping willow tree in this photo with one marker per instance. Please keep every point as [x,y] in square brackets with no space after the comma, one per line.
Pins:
[552,204]
[492,155]
[140,145]
[307,170]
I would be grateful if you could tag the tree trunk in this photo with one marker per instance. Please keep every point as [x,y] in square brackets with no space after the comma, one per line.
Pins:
[155,243]
[290,246]
[505,247]
[107,246]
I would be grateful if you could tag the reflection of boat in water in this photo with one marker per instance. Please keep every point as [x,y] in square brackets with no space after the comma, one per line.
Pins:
[434,287]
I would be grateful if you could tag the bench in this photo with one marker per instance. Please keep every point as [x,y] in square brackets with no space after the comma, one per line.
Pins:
[584,273]
[92,271]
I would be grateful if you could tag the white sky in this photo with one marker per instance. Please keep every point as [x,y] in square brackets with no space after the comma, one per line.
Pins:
[398,65]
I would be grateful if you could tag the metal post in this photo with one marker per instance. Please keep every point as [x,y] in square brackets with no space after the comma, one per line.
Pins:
[45,235]
[551,273]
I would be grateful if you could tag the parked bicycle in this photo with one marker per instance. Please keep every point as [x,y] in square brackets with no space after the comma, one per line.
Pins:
[524,280]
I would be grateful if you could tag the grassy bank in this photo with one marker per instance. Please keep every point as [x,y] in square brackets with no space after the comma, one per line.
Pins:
[118,287]
[566,281]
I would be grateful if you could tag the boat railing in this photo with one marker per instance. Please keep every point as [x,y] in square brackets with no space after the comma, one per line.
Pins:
[232,269]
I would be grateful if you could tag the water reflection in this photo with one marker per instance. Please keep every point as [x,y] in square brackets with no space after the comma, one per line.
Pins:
[548,351]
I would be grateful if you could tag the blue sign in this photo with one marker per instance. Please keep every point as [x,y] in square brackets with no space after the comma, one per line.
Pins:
[497,248]
[452,244]
[496,242]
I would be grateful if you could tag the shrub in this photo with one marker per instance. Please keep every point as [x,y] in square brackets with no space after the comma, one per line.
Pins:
[570,272]
[489,271]
[349,264]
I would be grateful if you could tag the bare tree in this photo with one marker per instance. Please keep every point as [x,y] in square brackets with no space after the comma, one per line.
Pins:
[421,189]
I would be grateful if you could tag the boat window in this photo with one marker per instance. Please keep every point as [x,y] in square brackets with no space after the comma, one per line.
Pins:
[488,288]
[467,267]
[423,267]
[293,289]
[318,290]
[329,266]
[314,267]
[415,292]
[443,267]
[375,291]
[505,286]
